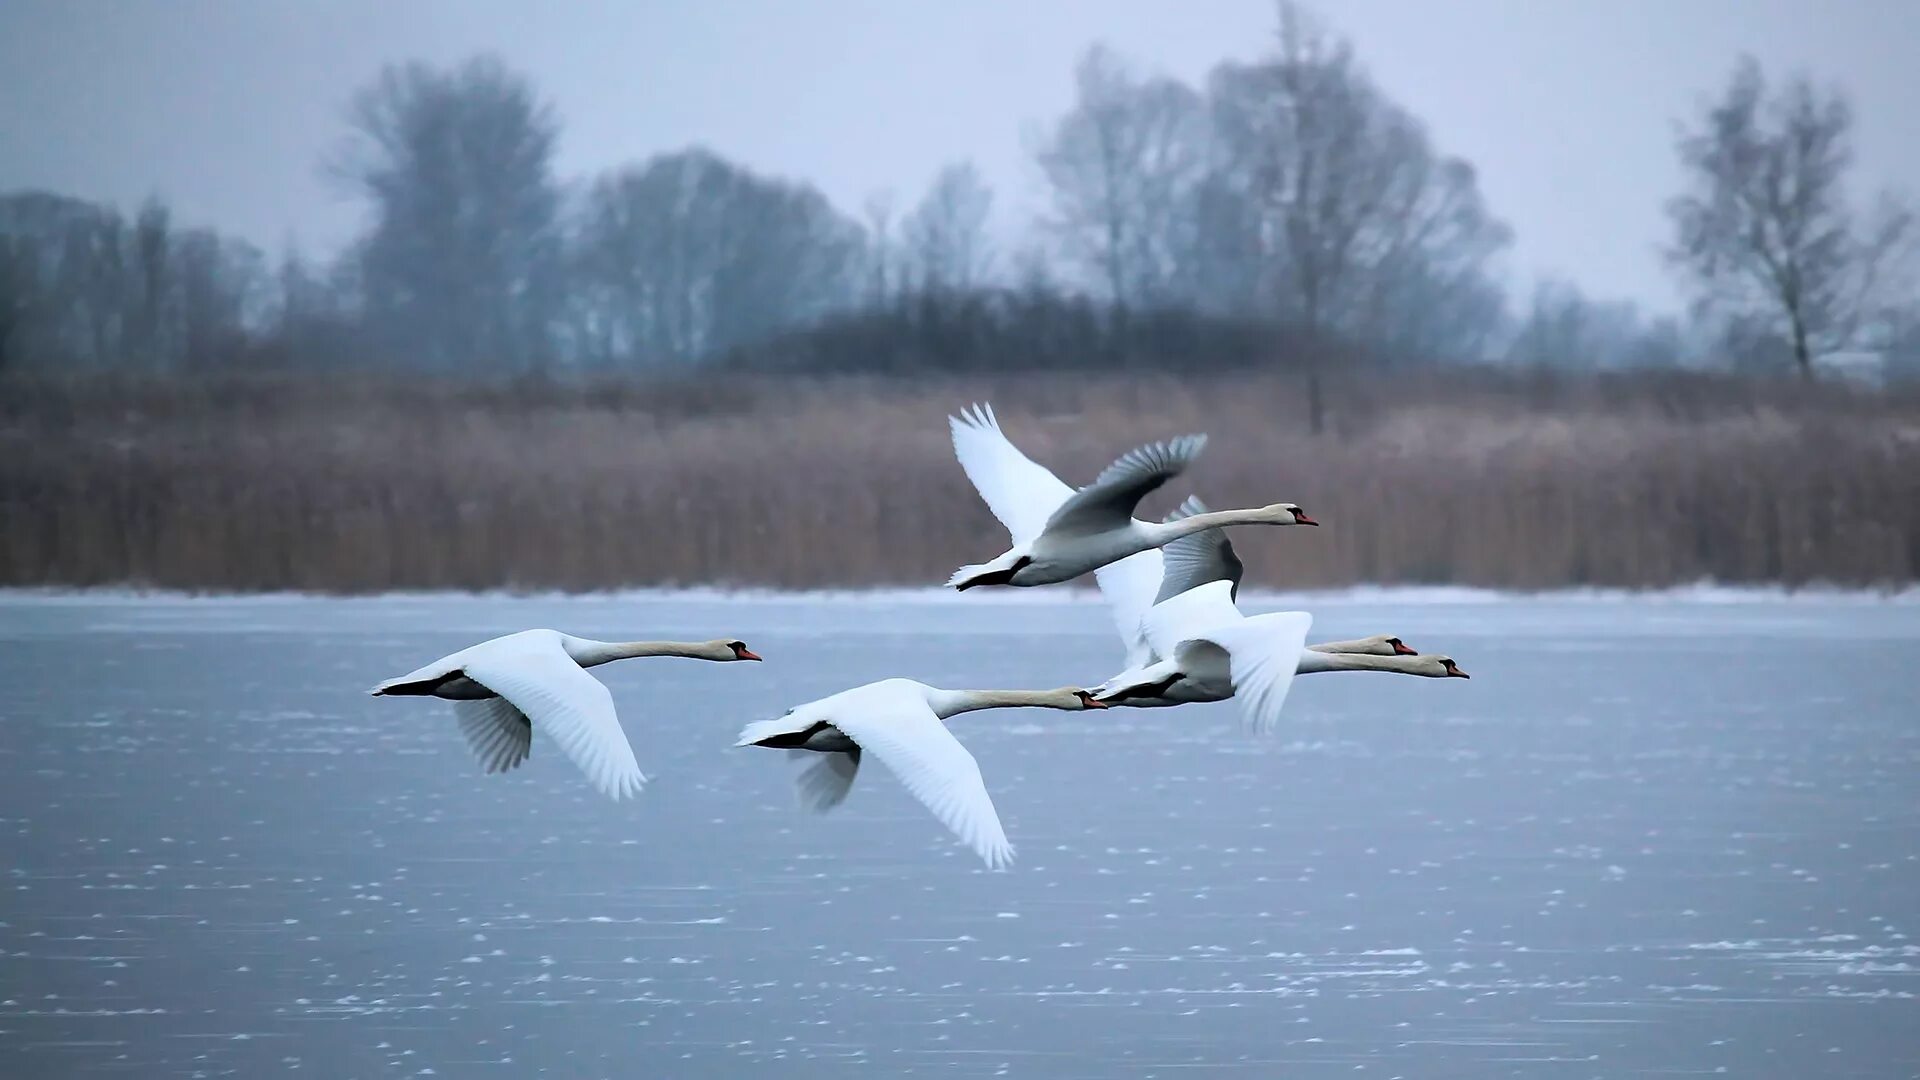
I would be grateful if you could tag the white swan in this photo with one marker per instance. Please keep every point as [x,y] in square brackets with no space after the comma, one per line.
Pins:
[1059,533]
[1206,650]
[900,721]
[1134,584]
[501,688]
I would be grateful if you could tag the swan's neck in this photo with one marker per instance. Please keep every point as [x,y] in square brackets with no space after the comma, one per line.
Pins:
[589,653]
[947,703]
[1312,661]
[1358,646]
[1165,532]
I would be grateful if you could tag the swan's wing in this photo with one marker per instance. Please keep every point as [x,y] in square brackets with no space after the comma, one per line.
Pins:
[894,723]
[1108,502]
[1192,614]
[559,697]
[1128,586]
[1197,559]
[498,733]
[1022,494]
[824,783]
[1263,652]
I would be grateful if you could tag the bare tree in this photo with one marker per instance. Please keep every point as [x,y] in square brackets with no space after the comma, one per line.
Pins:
[689,255]
[1765,234]
[882,255]
[946,235]
[460,267]
[1351,215]
[1125,166]
[1562,328]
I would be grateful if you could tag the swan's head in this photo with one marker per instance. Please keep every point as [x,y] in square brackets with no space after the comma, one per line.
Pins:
[726,649]
[1373,645]
[1437,667]
[1382,645]
[1287,514]
[1081,699]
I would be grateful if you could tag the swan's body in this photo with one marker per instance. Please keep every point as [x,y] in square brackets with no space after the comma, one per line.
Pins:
[901,722]
[1059,533]
[503,687]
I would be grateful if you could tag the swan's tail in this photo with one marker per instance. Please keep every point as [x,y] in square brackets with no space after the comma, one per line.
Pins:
[962,579]
[761,730]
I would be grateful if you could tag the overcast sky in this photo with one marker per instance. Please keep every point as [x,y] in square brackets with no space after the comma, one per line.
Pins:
[223,107]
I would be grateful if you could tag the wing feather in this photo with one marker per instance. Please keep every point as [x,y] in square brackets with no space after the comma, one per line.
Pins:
[1197,559]
[1021,493]
[571,706]
[1263,653]
[895,724]
[1128,586]
[1192,614]
[499,734]
[824,783]
[1108,502]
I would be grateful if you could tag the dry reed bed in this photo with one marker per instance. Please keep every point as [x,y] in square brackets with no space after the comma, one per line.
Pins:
[371,485]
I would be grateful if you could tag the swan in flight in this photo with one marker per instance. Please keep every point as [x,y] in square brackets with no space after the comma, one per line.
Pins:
[501,688]
[901,722]
[1134,584]
[1204,649]
[1059,533]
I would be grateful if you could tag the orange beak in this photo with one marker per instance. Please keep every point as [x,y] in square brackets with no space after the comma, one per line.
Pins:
[744,653]
[1091,702]
[1400,649]
[1302,519]
[1455,672]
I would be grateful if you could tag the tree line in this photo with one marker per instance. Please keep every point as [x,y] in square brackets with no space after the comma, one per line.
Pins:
[1287,210]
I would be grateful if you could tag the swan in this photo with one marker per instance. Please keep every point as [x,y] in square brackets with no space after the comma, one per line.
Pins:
[1138,582]
[1211,652]
[900,721]
[500,688]
[1206,650]
[1059,533]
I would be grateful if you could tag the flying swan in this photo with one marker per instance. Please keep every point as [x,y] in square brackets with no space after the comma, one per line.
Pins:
[1059,533]
[901,722]
[501,688]
[1203,649]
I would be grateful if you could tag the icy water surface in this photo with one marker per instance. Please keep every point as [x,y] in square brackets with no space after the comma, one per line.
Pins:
[1647,838]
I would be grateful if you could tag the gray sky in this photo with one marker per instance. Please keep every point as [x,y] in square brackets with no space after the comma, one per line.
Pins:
[224,107]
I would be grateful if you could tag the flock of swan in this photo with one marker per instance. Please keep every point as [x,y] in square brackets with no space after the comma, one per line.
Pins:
[1171,586]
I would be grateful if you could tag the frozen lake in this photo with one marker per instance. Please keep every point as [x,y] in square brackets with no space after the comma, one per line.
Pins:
[1668,837]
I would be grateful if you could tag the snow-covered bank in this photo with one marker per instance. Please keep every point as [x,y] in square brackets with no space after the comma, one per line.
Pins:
[1398,595]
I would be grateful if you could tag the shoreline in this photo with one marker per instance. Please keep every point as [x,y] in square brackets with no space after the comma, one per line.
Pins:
[1702,593]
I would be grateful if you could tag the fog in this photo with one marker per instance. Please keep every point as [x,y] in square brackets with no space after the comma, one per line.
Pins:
[1566,109]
